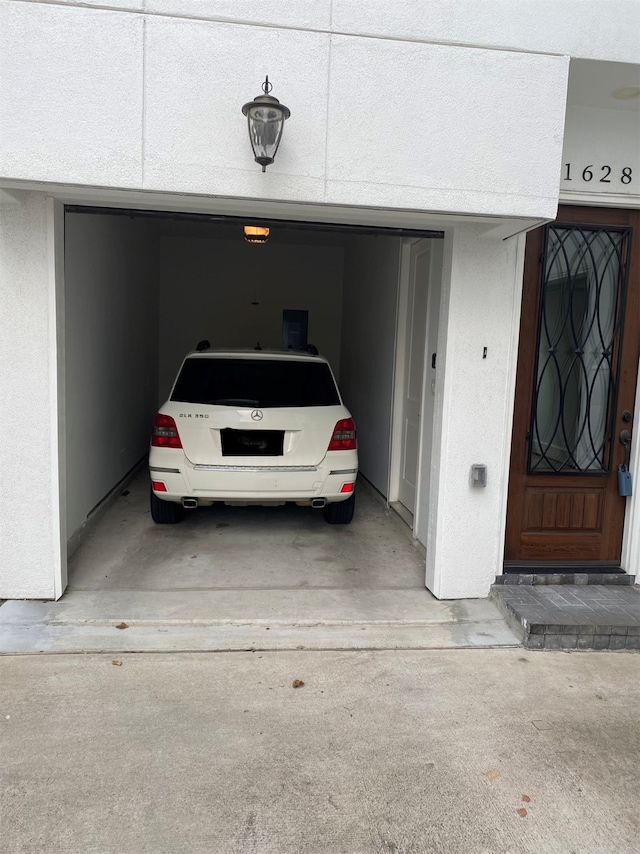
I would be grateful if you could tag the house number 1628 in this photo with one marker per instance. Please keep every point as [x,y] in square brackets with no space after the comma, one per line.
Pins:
[603,176]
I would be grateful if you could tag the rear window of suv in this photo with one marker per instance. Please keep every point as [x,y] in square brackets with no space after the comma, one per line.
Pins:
[262,383]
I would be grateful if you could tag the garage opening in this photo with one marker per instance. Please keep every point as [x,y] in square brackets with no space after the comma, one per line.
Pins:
[142,288]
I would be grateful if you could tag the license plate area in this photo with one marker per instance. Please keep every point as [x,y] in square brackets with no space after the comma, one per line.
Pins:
[252,443]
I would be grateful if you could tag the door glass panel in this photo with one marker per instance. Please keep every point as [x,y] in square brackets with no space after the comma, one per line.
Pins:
[576,376]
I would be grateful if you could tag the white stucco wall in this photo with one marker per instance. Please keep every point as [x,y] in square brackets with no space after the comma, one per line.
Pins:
[480,306]
[368,348]
[592,29]
[111,354]
[599,138]
[117,99]
[75,78]
[31,563]
[208,286]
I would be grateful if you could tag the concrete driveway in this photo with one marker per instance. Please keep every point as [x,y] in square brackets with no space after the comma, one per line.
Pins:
[442,751]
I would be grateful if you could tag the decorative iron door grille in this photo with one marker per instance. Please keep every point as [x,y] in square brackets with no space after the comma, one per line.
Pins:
[582,303]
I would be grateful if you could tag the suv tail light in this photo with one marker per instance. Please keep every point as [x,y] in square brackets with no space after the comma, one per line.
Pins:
[165,433]
[344,436]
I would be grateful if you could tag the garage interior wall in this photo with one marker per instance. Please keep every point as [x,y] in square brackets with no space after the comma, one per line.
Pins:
[368,348]
[111,353]
[233,293]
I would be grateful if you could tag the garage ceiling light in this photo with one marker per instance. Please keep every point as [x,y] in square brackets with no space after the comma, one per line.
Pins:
[266,117]
[256,234]
[626,93]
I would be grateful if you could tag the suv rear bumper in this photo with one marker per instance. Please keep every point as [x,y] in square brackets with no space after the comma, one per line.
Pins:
[252,483]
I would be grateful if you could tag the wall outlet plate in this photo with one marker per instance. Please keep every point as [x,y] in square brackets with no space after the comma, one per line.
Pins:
[478,474]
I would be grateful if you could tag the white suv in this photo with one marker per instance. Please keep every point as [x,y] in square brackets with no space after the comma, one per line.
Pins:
[253,427]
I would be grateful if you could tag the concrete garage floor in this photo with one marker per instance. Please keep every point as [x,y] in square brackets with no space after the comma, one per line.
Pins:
[407,751]
[247,548]
[248,578]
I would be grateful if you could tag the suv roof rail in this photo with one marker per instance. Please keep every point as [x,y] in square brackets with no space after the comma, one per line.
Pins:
[203,345]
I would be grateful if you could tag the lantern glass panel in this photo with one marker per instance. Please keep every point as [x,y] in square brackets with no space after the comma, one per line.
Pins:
[265,130]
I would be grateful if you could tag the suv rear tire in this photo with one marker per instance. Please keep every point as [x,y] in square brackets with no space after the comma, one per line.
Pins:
[340,512]
[165,512]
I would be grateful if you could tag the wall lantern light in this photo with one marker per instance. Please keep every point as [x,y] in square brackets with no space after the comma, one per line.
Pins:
[256,234]
[266,117]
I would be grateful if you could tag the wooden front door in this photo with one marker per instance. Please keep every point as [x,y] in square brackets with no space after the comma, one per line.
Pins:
[575,388]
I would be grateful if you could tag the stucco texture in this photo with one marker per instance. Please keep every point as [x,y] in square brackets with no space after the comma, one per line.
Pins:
[71,95]
[590,29]
[114,98]
[480,305]
[29,541]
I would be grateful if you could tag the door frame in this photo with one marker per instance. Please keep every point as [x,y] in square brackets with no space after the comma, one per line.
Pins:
[400,369]
[630,557]
[630,546]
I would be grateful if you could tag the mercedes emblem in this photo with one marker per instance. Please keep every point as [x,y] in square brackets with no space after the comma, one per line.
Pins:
[256,415]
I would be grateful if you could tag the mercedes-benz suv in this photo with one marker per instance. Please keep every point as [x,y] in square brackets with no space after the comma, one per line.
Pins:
[253,427]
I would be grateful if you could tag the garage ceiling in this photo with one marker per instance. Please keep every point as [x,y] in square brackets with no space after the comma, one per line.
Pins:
[230,228]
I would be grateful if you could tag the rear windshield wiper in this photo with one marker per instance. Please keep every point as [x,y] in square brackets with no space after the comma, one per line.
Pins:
[232,401]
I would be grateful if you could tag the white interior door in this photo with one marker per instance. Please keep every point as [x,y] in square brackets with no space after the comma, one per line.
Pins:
[413,379]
